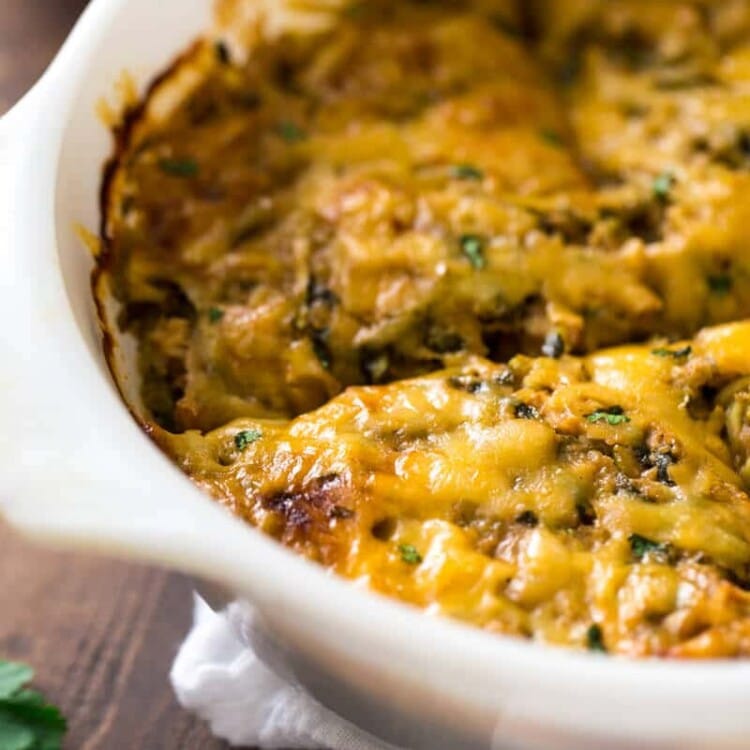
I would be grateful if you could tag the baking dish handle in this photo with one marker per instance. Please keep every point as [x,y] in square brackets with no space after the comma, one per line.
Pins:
[75,469]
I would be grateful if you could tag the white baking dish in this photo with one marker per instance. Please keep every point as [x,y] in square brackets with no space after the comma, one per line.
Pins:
[76,470]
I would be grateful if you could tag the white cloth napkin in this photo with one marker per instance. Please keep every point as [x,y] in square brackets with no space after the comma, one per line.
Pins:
[223,681]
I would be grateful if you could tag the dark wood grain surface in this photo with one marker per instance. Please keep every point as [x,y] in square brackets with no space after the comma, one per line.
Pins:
[100,634]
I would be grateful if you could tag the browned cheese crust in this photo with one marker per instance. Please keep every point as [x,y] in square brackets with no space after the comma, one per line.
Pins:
[372,271]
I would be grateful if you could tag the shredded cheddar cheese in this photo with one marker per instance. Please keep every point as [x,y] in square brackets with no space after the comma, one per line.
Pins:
[443,296]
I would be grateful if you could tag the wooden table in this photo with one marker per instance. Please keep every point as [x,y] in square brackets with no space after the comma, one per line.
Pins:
[100,634]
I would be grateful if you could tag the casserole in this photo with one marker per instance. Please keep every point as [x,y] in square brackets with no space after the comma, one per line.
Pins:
[298,234]
[76,470]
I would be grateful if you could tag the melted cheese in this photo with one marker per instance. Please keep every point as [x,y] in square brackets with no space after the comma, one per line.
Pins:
[327,252]
[535,498]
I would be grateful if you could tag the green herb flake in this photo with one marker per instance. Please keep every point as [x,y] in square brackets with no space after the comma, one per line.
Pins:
[613,416]
[246,437]
[290,131]
[409,554]
[720,284]
[179,167]
[215,314]
[467,172]
[662,185]
[641,546]
[595,639]
[27,722]
[472,246]
[552,137]
[683,353]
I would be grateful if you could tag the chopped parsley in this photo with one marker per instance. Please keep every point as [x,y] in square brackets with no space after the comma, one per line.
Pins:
[683,353]
[246,437]
[215,314]
[720,284]
[472,246]
[179,167]
[595,639]
[409,554]
[290,131]
[27,721]
[551,136]
[467,172]
[613,416]
[662,185]
[641,546]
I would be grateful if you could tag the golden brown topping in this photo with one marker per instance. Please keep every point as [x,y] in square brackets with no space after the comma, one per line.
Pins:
[326,252]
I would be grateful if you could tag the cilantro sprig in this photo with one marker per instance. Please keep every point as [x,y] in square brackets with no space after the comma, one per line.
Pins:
[27,721]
